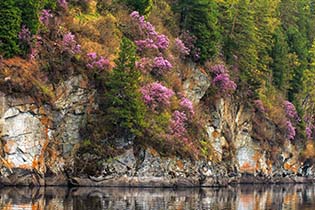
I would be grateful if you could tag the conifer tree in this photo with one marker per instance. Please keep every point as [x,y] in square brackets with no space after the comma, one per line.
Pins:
[280,60]
[124,108]
[200,18]
[29,15]
[10,22]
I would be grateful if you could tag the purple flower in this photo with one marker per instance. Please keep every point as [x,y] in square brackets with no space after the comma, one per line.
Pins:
[290,110]
[290,130]
[146,43]
[63,4]
[259,106]
[45,15]
[180,46]
[219,69]
[156,95]
[309,131]
[152,39]
[224,84]
[177,125]
[162,41]
[25,35]
[162,65]
[187,105]
[97,62]
[70,45]
[135,15]
[92,55]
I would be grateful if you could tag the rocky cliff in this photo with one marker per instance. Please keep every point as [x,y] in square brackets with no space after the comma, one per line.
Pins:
[40,144]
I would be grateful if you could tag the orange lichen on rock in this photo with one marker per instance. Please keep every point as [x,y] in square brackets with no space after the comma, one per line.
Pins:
[247,167]
[291,167]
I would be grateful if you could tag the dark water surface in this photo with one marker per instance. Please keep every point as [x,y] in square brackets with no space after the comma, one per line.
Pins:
[249,197]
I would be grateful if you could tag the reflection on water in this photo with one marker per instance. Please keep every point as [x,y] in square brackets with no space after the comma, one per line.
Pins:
[274,197]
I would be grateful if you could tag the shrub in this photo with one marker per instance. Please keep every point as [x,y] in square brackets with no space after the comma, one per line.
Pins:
[152,39]
[259,106]
[290,110]
[222,80]
[97,62]
[155,95]
[290,130]
[177,125]
[187,106]
[69,44]
[45,15]
[10,22]
[25,39]
[181,48]
[161,65]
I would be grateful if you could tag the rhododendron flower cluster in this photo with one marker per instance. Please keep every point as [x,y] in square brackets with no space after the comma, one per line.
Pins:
[180,46]
[177,125]
[309,130]
[153,40]
[290,110]
[25,35]
[45,15]
[187,105]
[97,62]
[156,95]
[70,45]
[63,4]
[259,106]
[162,65]
[190,41]
[219,69]
[290,130]
[222,80]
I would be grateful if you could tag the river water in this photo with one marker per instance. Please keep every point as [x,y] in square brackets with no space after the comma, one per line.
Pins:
[246,197]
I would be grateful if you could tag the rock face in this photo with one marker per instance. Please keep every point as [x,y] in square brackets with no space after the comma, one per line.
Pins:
[39,143]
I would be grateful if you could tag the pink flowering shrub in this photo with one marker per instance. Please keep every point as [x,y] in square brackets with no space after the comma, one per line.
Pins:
[152,39]
[309,130]
[190,41]
[290,130]
[187,106]
[155,95]
[161,65]
[25,35]
[222,80]
[181,48]
[45,15]
[290,110]
[177,125]
[69,44]
[219,69]
[259,106]
[97,62]
[63,4]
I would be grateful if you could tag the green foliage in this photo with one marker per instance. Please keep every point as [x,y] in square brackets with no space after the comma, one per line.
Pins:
[241,40]
[48,4]
[142,6]
[280,60]
[200,18]
[10,22]
[124,108]
[29,14]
